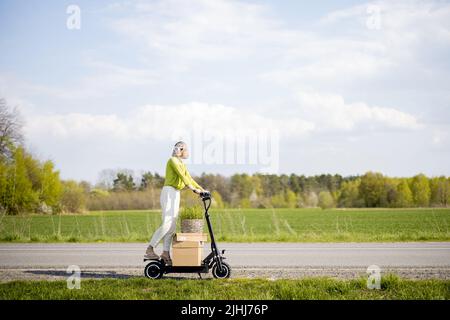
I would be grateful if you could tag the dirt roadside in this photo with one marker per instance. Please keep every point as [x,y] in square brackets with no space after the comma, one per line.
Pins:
[9,274]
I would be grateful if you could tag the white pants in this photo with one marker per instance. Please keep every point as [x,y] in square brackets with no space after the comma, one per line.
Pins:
[170,205]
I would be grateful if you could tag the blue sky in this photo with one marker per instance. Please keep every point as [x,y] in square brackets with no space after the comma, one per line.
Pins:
[345,95]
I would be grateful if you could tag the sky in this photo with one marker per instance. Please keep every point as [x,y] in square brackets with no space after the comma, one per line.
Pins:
[299,87]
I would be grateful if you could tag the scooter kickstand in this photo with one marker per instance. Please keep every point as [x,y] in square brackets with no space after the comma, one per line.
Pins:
[200,275]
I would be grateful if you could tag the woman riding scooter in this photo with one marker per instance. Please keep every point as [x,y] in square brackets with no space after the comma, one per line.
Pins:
[177,178]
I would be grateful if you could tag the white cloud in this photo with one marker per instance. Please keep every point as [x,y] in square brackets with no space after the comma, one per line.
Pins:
[357,11]
[159,122]
[314,113]
[201,29]
[108,77]
[331,112]
[102,80]
[440,137]
[423,19]
[336,76]
[340,49]
[76,125]
[344,50]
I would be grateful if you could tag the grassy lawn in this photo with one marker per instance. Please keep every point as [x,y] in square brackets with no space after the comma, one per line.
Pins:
[392,287]
[234,225]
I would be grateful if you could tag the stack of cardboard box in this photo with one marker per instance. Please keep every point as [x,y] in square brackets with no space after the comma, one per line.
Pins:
[187,249]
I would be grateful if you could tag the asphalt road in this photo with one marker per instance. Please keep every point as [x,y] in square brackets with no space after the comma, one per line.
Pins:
[122,255]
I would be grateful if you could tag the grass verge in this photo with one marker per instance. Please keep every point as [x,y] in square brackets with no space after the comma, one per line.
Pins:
[235,225]
[392,287]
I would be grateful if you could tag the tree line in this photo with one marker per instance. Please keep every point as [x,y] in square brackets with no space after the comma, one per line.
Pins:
[370,190]
[28,184]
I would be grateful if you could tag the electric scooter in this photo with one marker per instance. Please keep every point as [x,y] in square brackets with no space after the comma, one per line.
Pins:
[155,269]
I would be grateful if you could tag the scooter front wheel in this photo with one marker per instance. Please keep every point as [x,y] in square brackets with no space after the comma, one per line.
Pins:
[154,270]
[225,273]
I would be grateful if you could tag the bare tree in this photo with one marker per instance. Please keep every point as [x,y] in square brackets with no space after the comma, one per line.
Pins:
[106,177]
[10,129]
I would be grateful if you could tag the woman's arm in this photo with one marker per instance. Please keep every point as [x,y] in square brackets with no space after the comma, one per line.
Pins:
[186,177]
[193,182]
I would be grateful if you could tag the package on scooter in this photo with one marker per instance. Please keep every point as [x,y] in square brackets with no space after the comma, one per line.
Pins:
[187,249]
[191,237]
[187,253]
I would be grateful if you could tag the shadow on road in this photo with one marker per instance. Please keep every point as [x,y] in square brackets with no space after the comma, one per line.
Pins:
[87,274]
[99,275]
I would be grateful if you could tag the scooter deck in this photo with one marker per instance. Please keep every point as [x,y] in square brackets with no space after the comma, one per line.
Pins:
[186,269]
[182,269]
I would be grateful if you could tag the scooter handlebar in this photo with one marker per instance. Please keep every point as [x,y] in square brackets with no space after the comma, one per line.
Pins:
[205,195]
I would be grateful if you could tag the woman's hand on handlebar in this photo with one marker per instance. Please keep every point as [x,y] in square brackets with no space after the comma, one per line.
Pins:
[192,189]
[198,191]
[195,190]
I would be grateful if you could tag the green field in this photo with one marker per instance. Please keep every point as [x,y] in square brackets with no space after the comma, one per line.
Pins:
[234,225]
[392,287]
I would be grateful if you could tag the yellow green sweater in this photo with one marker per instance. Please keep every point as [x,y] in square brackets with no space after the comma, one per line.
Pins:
[178,176]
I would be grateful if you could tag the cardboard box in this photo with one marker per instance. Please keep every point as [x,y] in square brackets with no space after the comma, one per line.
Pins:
[187,253]
[191,237]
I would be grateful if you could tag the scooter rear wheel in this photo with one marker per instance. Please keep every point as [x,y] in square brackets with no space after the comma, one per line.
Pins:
[225,273]
[154,270]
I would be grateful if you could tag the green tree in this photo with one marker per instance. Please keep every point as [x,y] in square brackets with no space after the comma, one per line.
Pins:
[278,201]
[242,184]
[389,194]
[217,201]
[218,183]
[440,191]
[51,187]
[294,183]
[291,199]
[372,188]
[404,195]
[149,180]
[3,185]
[100,193]
[19,195]
[326,200]
[421,192]
[245,203]
[73,197]
[349,194]
[123,182]
[27,185]
[257,185]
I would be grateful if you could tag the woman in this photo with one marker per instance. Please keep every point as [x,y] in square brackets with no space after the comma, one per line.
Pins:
[177,177]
